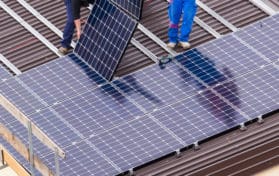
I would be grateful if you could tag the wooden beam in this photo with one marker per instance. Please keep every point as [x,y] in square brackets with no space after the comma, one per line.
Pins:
[14,165]
[24,120]
[23,151]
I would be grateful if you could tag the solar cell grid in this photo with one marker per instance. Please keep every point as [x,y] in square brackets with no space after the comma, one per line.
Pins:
[98,110]
[263,36]
[135,143]
[20,96]
[22,133]
[199,117]
[220,60]
[133,7]
[256,93]
[154,87]
[56,129]
[105,37]
[81,160]
[59,80]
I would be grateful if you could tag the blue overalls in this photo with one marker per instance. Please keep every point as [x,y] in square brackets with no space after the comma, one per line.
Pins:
[176,7]
[69,27]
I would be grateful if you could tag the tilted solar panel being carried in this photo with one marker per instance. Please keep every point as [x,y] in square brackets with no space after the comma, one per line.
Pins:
[133,7]
[105,37]
[263,36]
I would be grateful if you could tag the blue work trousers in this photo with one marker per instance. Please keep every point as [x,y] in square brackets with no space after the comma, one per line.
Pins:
[176,8]
[69,27]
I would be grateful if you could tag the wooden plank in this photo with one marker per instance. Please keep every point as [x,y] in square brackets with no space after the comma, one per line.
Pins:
[24,151]
[24,120]
[14,165]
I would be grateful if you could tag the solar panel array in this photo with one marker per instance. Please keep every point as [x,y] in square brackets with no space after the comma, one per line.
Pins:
[263,37]
[133,7]
[105,37]
[108,128]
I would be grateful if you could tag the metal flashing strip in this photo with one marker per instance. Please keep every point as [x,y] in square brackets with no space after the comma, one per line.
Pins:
[207,27]
[143,49]
[43,19]
[263,6]
[10,65]
[216,16]
[29,28]
[155,39]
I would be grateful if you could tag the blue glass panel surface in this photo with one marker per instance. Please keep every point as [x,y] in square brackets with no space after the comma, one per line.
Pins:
[105,37]
[154,87]
[199,117]
[133,7]
[135,143]
[220,60]
[61,79]
[5,116]
[4,74]
[256,92]
[20,96]
[81,160]
[55,128]
[21,133]
[98,110]
[263,36]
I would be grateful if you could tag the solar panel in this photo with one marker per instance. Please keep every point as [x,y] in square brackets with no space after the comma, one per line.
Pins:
[95,111]
[263,36]
[20,96]
[134,143]
[220,60]
[105,37]
[61,79]
[4,74]
[146,115]
[81,160]
[199,117]
[22,133]
[133,7]
[154,87]
[59,131]
[256,92]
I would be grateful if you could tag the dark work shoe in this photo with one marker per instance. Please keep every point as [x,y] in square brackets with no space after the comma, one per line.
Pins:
[63,50]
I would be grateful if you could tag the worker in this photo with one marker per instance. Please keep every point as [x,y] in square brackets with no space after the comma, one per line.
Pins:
[176,7]
[73,21]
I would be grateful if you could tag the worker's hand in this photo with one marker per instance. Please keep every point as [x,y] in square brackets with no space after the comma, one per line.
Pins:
[78,34]
[169,1]
[78,27]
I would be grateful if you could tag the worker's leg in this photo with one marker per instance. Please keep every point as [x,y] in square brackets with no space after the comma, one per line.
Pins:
[175,11]
[69,27]
[189,12]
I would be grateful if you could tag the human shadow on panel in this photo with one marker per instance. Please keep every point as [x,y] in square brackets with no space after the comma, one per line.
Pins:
[216,83]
